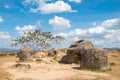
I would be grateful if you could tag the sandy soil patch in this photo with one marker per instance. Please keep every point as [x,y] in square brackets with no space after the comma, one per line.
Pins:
[51,70]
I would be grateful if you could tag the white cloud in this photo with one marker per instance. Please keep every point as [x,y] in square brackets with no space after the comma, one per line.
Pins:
[4,35]
[5,40]
[75,39]
[27,2]
[26,28]
[111,23]
[1,20]
[108,36]
[94,24]
[38,24]
[104,35]
[59,23]
[47,8]
[7,7]
[58,6]
[96,30]
[80,32]
[65,35]
[76,1]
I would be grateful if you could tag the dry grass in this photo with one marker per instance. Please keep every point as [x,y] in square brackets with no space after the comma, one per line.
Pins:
[25,79]
[3,74]
[115,60]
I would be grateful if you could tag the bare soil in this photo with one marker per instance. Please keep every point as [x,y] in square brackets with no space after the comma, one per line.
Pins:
[49,69]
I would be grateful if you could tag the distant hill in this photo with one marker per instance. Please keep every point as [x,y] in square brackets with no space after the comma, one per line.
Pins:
[112,48]
[7,49]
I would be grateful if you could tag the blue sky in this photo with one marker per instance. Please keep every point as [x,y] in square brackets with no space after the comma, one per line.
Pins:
[95,20]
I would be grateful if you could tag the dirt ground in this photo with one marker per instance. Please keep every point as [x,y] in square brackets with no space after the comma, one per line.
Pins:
[49,69]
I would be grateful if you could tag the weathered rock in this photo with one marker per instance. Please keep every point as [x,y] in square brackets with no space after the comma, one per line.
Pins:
[89,57]
[95,58]
[40,55]
[52,52]
[60,54]
[23,66]
[57,54]
[63,59]
[55,51]
[25,54]
[82,44]
[74,53]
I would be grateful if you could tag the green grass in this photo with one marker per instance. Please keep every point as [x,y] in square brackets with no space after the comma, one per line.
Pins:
[55,59]
[113,64]
[97,79]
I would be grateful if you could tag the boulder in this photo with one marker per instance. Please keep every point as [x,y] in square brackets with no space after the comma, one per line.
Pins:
[60,54]
[83,52]
[52,52]
[95,58]
[25,54]
[40,55]
[74,53]
[63,59]
[82,44]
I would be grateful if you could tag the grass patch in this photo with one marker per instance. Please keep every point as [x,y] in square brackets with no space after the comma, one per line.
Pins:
[106,70]
[97,70]
[92,69]
[89,69]
[55,59]
[113,64]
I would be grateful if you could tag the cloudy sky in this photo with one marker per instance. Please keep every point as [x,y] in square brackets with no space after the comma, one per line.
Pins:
[95,20]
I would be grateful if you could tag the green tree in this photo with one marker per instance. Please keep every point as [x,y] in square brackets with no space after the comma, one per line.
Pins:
[21,41]
[37,40]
